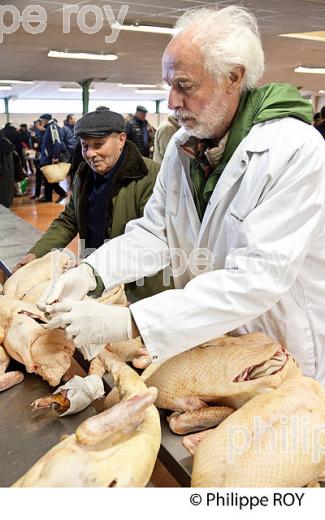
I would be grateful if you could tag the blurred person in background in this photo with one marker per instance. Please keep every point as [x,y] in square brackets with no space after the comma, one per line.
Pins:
[37,133]
[7,171]
[321,124]
[26,141]
[68,138]
[137,131]
[50,153]
[11,133]
[163,135]
[316,119]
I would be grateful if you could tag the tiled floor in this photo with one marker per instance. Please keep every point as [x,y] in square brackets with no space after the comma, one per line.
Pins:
[40,215]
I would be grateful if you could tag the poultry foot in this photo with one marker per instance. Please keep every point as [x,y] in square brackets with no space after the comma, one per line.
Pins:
[74,396]
[59,403]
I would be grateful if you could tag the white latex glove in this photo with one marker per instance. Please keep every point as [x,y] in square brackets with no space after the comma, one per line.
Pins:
[81,392]
[91,324]
[91,350]
[73,284]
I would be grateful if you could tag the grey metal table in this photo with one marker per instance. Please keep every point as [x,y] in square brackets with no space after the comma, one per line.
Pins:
[16,237]
[172,453]
[24,436]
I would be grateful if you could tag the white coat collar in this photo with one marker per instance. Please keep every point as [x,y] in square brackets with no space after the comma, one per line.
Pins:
[258,140]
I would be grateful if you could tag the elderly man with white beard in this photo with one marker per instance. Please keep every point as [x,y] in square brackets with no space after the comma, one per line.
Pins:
[237,211]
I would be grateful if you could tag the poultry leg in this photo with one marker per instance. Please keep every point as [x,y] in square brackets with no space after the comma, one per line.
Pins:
[124,417]
[10,379]
[197,420]
[120,459]
[58,402]
[4,359]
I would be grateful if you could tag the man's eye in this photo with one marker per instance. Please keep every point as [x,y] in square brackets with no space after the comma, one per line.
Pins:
[184,86]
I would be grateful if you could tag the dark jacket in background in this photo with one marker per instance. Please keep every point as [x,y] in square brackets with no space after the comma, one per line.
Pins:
[25,138]
[51,146]
[68,138]
[321,128]
[137,132]
[12,134]
[7,171]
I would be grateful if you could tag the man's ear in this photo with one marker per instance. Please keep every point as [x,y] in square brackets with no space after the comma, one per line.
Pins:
[235,79]
[122,138]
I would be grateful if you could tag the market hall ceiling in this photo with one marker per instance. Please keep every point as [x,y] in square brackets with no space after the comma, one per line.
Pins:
[24,55]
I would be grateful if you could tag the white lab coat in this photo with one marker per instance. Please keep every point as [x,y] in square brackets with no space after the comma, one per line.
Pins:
[264,229]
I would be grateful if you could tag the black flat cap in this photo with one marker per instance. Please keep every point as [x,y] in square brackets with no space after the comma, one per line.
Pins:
[48,117]
[141,108]
[99,123]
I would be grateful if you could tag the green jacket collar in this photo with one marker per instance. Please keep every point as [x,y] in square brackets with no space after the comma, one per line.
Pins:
[272,101]
[133,168]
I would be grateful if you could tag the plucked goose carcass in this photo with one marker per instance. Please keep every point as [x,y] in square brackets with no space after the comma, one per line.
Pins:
[30,281]
[227,371]
[117,448]
[44,352]
[277,439]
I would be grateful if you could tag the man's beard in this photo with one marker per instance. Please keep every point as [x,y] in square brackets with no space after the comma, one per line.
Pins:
[208,124]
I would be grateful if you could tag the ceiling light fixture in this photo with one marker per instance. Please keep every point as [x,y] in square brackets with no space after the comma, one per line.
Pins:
[18,81]
[318,36]
[150,91]
[321,91]
[136,85]
[5,87]
[145,28]
[310,70]
[74,89]
[82,56]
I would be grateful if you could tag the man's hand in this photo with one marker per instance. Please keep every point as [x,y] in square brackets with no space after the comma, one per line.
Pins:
[28,258]
[74,284]
[90,323]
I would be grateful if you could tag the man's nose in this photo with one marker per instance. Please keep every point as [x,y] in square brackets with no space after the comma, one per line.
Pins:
[175,100]
[90,153]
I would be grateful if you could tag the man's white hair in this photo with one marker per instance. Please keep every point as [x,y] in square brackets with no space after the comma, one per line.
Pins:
[228,37]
